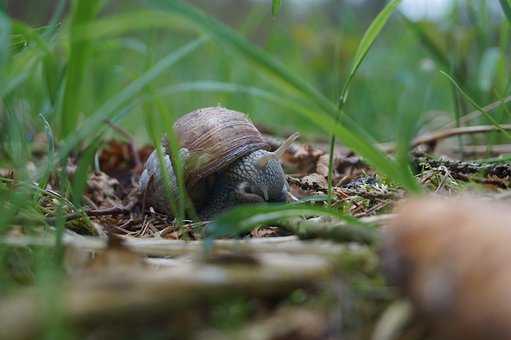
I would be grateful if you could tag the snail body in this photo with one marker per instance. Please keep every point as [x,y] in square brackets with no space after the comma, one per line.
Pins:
[226,162]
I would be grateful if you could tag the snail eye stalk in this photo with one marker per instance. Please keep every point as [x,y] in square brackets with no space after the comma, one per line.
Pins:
[262,162]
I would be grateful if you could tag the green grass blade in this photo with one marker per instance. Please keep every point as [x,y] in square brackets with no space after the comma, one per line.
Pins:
[51,149]
[49,60]
[367,41]
[161,113]
[347,131]
[79,181]
[30,35]
[257,57]
[107,110]
[115,25]
[12,83]
[155,133]
[252,53]
[16,148]
[506,7]
[428,43]
[275,7]
[242,219]
[5,32]
[55,18]
[474,103]
[365,44]
[83,11]
[276,70]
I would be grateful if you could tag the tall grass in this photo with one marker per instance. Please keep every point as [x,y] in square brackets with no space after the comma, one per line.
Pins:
[506,7]
[350,134]
[79,56]
[147,66]
[69,77]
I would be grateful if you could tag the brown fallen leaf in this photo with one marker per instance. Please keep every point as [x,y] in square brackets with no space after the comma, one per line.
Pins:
[451,258]
[322,165]
[7,173]
[102,190]
[118,160]
[302,158]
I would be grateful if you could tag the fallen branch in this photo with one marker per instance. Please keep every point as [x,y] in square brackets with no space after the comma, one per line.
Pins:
[474,114]
[485,169]
[435,137]
[137,293]
[479,150]
[336,231]
[174,248]
[466,130]
[94,212]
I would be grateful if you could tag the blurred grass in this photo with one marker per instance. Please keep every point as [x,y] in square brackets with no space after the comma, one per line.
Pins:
[363,48]
[241,220]
[506,7]
[275,7]
[73,73]
[82,12]
[141,64]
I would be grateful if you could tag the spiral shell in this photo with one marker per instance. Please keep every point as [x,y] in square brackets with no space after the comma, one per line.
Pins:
[215,137]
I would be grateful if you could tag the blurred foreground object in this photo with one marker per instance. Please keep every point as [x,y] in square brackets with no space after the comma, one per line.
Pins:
[451,258]
[117,283]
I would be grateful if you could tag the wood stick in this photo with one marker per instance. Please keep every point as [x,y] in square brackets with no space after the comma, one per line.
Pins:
[466,130]
[173,248]
[95,212]
[132,294]
[334,231]
[474,114]
[435,137]
[477,150]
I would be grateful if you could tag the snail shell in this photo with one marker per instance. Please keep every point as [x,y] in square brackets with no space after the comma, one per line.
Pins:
[215,137]
[211,139]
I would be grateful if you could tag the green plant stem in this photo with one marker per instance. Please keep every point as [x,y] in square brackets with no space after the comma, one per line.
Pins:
[339,232]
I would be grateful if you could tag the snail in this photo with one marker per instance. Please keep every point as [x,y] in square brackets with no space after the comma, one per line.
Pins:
[225,160]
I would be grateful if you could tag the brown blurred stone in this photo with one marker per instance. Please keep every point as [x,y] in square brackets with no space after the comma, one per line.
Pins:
[451,258]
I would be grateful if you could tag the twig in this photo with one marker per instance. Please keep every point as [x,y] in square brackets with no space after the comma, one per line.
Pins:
[382,204]
[486,181]
[434,137]
[497,174]
[500,170]
[339,231]
[466,130]
[393,320]
[89,212]
[478,150]
[163,247]
[372,195]
[94,212]
[472,115]
[137,292]
[446,175]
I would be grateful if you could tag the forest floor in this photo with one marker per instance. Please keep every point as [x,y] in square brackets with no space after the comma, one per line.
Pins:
[134,272]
